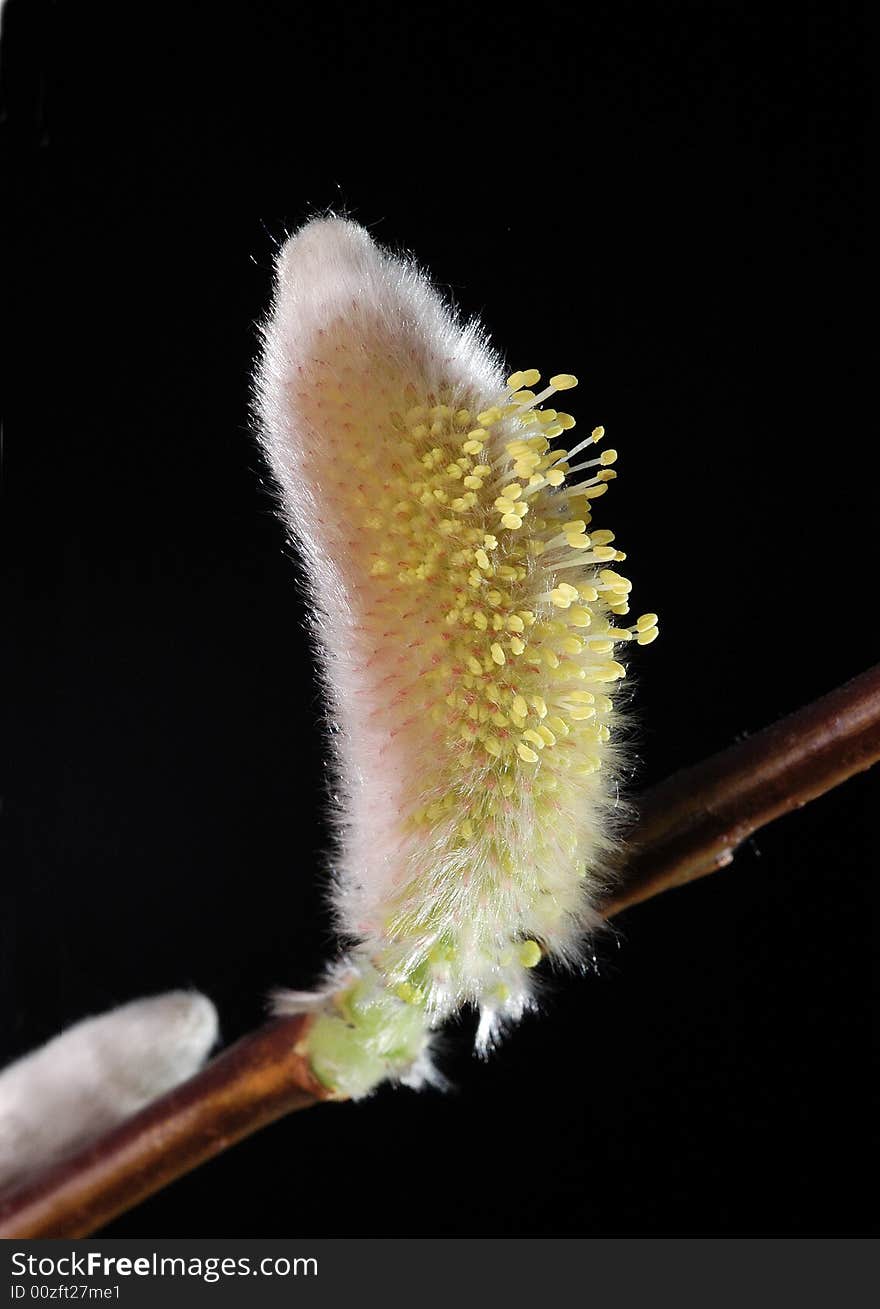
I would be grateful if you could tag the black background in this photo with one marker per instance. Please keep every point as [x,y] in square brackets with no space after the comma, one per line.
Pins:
[668,200]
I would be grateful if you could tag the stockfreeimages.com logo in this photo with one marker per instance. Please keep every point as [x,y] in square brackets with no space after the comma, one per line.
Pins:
[209,1269]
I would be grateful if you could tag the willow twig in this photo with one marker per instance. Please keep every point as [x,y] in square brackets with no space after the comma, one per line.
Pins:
[689,825]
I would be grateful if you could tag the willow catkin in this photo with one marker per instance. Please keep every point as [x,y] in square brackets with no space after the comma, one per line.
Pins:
[466,610]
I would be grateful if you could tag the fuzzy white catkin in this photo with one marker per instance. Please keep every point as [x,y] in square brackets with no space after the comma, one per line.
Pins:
[97,1073]
[465,619]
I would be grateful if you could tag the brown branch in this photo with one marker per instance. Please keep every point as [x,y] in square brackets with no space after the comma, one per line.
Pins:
[689,825]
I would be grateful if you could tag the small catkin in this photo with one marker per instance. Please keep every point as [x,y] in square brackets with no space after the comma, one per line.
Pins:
[98,1072]
[468,617]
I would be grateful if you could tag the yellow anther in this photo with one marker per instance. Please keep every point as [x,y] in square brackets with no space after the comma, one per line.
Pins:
[646,621]
[563,381]
[530,377]
[512,492]
[529,954]
[482,559]
[497,653]
[511,521]
[474,665]
[520,706]
[539,705]
[515,623]
[565,421]
[608,457]
[609,672]
[615,580]
[515,381]
[526,754]
[492,746]
[576,525]
[597,433]
[645,638]
[556,477]
[517,646]
[490,542]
